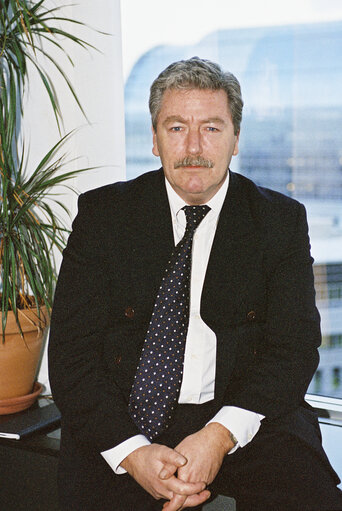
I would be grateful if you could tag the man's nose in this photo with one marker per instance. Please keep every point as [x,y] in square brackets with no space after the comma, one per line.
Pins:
[194,142]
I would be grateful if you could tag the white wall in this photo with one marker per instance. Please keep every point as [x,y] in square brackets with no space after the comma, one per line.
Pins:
[98,80]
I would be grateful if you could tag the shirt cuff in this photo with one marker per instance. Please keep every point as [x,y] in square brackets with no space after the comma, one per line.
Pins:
[117,454]
[243,424]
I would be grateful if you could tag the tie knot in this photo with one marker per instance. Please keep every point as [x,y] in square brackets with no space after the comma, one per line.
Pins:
[194,216]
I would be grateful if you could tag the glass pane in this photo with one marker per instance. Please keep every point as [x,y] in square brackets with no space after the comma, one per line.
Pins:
[291,140]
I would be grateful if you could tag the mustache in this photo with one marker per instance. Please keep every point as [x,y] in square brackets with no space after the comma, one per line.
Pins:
[190,161]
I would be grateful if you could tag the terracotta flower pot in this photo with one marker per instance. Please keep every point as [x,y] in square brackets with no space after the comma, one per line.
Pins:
[19,356]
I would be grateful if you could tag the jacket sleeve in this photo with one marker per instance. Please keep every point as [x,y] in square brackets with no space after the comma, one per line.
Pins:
[285,354]
[93,407]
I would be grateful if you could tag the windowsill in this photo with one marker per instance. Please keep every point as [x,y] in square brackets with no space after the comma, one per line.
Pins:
[327,407]
[330,420]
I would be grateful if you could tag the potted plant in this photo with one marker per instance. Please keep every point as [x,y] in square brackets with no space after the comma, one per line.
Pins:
[30,227]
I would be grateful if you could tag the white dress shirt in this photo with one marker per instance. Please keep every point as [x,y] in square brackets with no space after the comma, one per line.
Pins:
[198,384]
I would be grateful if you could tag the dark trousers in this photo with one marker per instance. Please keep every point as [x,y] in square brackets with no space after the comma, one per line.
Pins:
[284,468]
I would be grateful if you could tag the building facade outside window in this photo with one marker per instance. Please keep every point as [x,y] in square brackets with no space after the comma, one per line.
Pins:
[291,140]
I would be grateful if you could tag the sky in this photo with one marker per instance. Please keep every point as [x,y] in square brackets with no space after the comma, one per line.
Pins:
[148,23]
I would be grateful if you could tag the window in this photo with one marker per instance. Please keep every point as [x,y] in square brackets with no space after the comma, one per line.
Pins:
[291,77]
[336,381]
[328,284]
[317,382]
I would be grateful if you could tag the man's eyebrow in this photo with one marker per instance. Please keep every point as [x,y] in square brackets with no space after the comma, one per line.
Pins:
[214,120]
[174,118]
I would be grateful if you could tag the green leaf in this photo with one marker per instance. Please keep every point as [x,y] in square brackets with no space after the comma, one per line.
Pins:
[31,226]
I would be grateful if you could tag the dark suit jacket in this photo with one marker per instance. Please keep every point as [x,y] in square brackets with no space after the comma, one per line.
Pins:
[258,298]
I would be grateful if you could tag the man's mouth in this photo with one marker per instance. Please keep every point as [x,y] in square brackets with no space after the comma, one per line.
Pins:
[196,163]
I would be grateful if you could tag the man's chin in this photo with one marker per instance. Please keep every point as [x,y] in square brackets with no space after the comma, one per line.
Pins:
[194,188]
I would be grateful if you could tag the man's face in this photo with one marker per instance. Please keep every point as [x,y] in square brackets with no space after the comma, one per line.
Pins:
[195,141]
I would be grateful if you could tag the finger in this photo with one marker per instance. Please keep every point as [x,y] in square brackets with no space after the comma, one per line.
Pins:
[196,500]
[175,503]
[184,488]
[172,458]
[167,471]
[172,461]
[179,502]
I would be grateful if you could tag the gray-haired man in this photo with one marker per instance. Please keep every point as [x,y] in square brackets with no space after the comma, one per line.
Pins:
[247,346]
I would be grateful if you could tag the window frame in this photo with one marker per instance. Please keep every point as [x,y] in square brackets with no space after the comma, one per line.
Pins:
[327,407]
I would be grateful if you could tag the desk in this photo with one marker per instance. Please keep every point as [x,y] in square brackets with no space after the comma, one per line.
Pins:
[28,472]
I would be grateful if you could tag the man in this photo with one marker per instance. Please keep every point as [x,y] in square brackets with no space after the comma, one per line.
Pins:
[177,382]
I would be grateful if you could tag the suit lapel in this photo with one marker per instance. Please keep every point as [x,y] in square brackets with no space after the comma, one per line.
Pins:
[234,255]
[152,240]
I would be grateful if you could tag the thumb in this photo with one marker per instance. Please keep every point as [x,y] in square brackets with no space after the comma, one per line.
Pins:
[172,464]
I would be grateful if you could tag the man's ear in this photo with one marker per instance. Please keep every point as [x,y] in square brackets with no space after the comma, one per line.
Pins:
[155,149]
[236,147]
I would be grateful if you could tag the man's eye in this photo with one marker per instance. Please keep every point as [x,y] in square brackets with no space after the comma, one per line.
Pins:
[212,128]
[176,128]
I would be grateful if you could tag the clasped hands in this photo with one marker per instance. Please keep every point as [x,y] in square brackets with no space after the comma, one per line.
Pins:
[181,475]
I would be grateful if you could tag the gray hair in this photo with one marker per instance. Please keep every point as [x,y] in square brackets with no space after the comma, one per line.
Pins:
[197,73]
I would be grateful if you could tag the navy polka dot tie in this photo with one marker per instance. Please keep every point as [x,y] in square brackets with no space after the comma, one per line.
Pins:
[158,378]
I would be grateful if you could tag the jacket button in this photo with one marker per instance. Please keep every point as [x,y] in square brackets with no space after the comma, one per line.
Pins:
[129,312]
[117,359]
[251,315]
